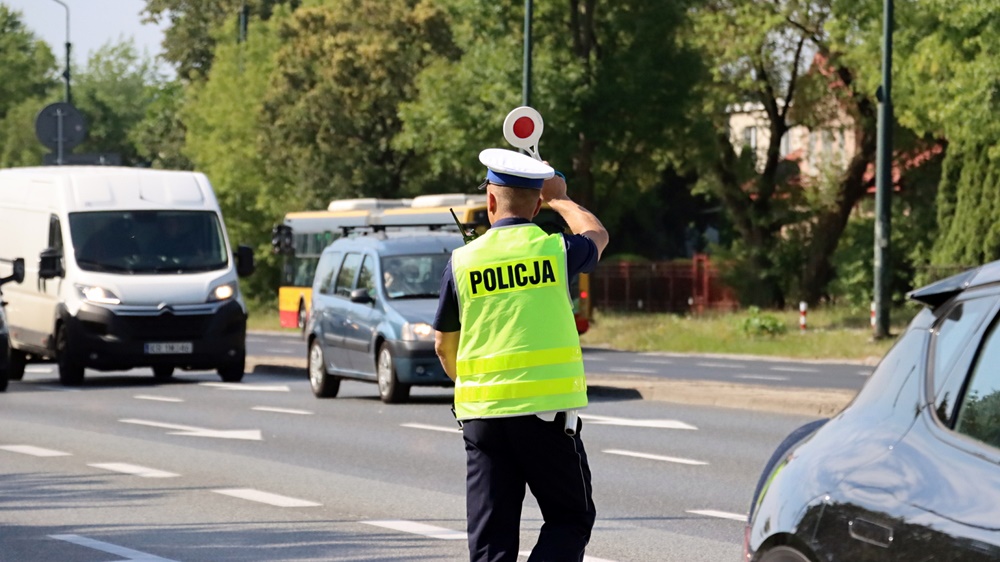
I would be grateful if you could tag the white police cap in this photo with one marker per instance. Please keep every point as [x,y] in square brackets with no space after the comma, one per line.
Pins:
[513,169]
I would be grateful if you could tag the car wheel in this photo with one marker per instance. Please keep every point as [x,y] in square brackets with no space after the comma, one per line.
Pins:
[324,385]
[4,377]
[70,370]
[390,390]
[233,372]
[17,360]
[784,554]
[163,372]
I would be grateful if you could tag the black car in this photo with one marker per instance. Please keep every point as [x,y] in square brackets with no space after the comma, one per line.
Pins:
[910,470]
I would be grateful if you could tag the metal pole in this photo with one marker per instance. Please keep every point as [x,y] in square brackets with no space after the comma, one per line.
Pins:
[69,95]
[526,79]
[883,182]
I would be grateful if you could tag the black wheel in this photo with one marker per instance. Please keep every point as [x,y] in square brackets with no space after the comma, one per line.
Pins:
[4,377]
[324,385]
[783,554]
[163,372]
[233,372]
[70,370]
[16,361]
[390,390]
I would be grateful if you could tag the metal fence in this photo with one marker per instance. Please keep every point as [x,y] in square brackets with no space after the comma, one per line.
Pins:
[681,286]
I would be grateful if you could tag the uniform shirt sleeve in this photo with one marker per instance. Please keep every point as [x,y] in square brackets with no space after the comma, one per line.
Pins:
[581,254]
[447,317]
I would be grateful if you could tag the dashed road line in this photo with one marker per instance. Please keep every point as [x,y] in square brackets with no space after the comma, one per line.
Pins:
[157,398]
[625,422]
[245,386]
[663,458]
[126,553]
[721,365]
[38,369]
[654,361]
[719,514]
[134,469]
[282,410]
[34,451]
[865,373]
[761,377]
[415,528]
[795,369]
[265,497]
[632,370]
[431,427]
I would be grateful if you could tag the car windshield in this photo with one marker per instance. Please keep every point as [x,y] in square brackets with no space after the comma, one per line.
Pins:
[138,242]
[413,277]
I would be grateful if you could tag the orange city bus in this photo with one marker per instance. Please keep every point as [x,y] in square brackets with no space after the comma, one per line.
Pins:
[303,236]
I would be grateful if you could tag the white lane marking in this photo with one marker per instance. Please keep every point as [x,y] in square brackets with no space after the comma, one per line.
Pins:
[134,469]
[419,529]
[157,398]
[527,553]
[654,361]
[126,553]
[38,369]
[247,434]
[865,373]
[265,497]
[594,359]
[795,369]
[277,350]
[432,427]
[34,451]
[624,422]
[719,514]
[721,365]
[663,458]
[632,370]
[282,410]
[761,377]
[246,386]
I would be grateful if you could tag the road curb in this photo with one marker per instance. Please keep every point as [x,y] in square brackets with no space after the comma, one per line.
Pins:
[602,386]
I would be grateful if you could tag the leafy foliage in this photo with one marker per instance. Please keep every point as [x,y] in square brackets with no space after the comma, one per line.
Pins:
[758,324]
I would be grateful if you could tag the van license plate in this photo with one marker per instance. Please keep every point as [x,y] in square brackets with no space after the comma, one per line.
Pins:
[167,348]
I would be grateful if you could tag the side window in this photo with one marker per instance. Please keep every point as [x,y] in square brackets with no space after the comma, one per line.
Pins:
[324,272]
[952,335]
[979,410]
[366,279]
[345,280]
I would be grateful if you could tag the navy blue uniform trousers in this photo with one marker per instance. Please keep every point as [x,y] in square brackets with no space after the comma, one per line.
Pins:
[506,454]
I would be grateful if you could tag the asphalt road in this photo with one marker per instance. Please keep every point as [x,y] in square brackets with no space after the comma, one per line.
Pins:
[195,470]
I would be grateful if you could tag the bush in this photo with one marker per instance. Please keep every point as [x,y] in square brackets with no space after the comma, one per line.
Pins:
[757,324]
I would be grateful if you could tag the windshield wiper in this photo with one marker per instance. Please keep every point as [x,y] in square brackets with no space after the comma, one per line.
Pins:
[418,296]
[100,266]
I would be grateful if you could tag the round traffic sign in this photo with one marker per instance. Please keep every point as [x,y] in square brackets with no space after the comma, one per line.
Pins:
[60,121]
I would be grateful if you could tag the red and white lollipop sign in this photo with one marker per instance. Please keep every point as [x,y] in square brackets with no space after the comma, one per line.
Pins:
[522,128]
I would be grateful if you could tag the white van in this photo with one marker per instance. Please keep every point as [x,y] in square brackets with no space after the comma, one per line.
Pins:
[125,267]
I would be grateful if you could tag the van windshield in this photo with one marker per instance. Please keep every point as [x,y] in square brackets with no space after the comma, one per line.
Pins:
[413,277]
[139,242]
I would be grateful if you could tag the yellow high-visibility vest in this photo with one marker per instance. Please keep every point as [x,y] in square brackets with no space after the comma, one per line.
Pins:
[519,351]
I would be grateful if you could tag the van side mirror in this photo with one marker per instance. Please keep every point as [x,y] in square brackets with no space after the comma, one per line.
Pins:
[17,275]
[50,263]
[244,261]
[361,296]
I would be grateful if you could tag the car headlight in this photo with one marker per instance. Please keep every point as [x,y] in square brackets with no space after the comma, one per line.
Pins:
[222,292]
[418,331]
[97,295]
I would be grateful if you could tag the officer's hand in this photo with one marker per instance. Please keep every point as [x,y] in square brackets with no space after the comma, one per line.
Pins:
[554,188]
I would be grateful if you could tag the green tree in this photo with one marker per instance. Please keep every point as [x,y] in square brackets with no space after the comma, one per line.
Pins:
[189,41]
[342,71]
[159,138]
[224,121]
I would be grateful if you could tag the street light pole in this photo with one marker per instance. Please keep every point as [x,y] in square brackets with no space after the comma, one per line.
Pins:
[883,181]
[69,95]
[526,79]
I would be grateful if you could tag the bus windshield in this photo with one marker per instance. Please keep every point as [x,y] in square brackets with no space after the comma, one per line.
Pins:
[141,242]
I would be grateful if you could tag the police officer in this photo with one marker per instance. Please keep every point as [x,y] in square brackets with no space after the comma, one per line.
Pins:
[506,336]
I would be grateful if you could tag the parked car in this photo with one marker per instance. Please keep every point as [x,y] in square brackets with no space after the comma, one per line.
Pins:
[17,276]
[910,469]
[373,303]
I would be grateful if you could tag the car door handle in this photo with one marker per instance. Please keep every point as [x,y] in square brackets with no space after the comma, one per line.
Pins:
[869,532]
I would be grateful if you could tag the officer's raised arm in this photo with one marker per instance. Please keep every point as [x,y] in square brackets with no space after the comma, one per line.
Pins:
[580,220]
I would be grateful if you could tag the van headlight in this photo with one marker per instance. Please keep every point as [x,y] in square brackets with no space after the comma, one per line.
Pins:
[418,331]
[222,292]
[97,295]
